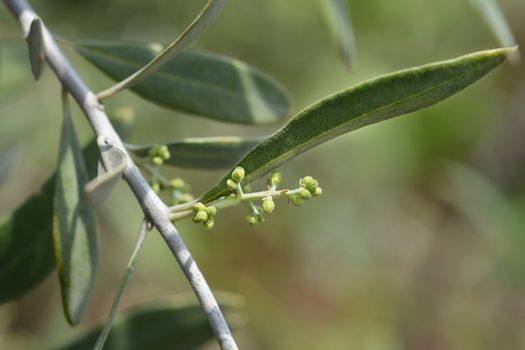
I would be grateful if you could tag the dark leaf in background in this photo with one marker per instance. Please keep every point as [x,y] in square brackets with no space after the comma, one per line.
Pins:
[26,245]
[203,153]
[157,325]
[194,82]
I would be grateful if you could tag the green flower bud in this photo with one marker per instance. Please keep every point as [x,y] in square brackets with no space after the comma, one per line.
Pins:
[201,216]
[268,205]
[153,151]
[312,185]
[156,187]
[318,191]
[305,194]
[178,183]
[296,200]
[275,178]
[238,174]
[247,189]
[157,161]
[252,220]
[164,152]
[305,181]
[197,207]
[209,224]
[231,185]
[211,211]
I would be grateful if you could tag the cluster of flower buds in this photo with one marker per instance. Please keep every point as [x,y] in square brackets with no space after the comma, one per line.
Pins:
[310,187]
[159,154]
[237,176]
[204,215]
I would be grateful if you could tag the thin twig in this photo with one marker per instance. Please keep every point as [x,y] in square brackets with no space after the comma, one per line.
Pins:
[123,285]
[154,209]
[210,11]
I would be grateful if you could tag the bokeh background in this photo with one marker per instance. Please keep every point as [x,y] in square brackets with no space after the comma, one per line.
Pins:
[418,240]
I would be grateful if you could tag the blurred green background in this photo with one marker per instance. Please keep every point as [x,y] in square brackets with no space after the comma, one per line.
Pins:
[418,240]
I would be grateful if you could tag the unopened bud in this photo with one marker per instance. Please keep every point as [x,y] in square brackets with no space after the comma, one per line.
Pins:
[197,207]
[231,185]
[157,161]
[305,194]
[164,152]
[238,174]
[201,216]
[268,205]
[274,179]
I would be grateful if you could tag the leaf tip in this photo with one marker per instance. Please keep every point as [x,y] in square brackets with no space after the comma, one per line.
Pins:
[513,55]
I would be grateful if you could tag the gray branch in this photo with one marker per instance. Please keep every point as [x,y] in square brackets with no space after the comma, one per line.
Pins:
[154,209]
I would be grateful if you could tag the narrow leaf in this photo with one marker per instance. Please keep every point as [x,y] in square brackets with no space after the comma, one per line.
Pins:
[114,164]
[194,82]
[495,19]
[337,16]
[203,153]
[159,325]
[74,227]
[368,103]
[35,41]
[7,158]
[26,241]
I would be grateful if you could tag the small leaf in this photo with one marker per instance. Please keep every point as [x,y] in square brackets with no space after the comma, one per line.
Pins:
[495,19]
[114,164]
[36,44]
[203,153]
[7,158]
[74,227]
[368,103]
[158,325]
[195,82]
[26,241]
[338,20]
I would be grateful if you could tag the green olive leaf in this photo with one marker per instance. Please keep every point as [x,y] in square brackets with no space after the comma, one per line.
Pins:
[74,226]
[337,17]
[493,15]
[35,42]
[202,153]
[26,245]
[371,102]
[194,82]
[169,324]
